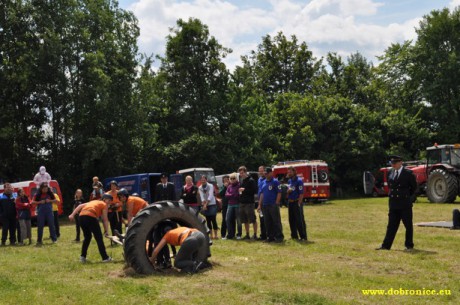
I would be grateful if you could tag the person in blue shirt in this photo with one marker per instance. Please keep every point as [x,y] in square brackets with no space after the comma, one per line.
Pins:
[295,201]
[269,202]
[263,232]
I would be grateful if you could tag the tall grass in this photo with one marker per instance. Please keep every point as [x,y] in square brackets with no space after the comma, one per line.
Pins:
[337,263]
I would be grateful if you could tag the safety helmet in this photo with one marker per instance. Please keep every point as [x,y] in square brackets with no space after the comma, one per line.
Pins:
[123,192]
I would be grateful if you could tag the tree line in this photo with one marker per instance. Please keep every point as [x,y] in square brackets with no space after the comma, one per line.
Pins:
[77,96]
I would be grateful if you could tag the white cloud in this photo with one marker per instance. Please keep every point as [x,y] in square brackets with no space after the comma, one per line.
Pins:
[324,24]
[454,3]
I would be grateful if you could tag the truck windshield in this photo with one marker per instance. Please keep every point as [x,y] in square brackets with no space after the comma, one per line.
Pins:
[209,174]
[455,157]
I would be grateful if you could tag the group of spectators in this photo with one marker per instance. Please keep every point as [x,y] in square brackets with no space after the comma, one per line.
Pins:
[16,213]
[239,199]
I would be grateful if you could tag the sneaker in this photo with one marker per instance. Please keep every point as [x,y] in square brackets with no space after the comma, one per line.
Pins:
[82,259]
[247,237]
[107,260]
[224,238]
[254,237]
[55,241]
[238,237]
[38,244]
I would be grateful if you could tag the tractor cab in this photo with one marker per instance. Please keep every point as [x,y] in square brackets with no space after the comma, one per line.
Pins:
[444,155]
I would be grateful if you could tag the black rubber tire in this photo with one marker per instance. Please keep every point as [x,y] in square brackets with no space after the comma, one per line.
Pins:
[142,227]
[442,186]
[322,176]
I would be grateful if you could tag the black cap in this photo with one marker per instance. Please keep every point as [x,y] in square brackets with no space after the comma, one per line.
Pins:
[164,175]
[114,182]
[268,170]
[395,158]
[107,196]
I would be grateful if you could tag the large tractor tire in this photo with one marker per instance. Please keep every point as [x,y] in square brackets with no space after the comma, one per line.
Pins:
[141,229]
[442,186]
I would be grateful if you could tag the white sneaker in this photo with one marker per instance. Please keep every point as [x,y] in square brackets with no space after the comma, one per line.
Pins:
[107,260]
[238,237]
[82,259]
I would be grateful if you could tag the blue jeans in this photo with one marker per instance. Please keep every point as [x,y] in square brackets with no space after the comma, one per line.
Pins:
[45,213]
[233,214]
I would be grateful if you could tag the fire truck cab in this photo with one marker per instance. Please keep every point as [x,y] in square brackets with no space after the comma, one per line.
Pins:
[315,175]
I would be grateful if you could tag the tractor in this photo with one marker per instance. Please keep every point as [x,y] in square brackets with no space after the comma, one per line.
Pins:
[443,172]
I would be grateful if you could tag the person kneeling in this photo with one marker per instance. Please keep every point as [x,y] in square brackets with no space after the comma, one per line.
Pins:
[193,249]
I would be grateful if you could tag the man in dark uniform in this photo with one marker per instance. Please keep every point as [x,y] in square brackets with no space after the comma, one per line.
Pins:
[263,231]
[269,203]
[295,205]
[8,214]
[402,185]
[165,190]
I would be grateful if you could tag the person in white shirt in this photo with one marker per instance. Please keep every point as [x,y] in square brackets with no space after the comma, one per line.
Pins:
[209,206]
[42,176]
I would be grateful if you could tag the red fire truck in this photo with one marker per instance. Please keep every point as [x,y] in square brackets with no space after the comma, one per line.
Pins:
[315,175]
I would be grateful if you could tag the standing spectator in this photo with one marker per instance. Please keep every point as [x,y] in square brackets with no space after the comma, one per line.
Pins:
[403,185]
[42,176]
[222,191]
[78,199]
[56,215]
[284,190]
[260,182]
[44,200]
[190,194]
[98,191]
[89,215]
[233,196]
[8,214]
[115,214]
[209,204]
[165,190]
[248,189]
[295,200]
[269,204]
[23,208]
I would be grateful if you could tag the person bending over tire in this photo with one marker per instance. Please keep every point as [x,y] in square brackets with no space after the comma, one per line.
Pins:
[89,214]
[192,252]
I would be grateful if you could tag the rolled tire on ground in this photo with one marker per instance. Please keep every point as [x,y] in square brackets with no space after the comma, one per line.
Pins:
[442,186]
[142,226]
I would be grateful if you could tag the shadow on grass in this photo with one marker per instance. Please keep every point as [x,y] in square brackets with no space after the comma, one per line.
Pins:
[418,251]
[170,272]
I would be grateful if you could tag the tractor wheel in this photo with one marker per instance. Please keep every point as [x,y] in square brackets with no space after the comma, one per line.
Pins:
[442,187]
[142,226]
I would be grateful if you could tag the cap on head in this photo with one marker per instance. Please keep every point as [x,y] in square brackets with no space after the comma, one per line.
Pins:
[107,196]
[164,175]
[268,170]
[395,158]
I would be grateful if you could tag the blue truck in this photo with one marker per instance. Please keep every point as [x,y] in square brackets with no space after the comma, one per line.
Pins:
[144,184]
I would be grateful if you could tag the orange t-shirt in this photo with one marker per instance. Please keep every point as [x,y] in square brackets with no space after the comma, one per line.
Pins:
[137,203]
[115,199]
[93,208]
[174,237]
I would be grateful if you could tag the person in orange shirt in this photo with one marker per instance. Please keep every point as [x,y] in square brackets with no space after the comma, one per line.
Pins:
[115,209]
[89,214]
[193,249]
[133,204]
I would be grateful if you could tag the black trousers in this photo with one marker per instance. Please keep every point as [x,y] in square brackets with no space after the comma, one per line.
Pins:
[263,230]
[115,222]
[456,218]
[90,227]
[77,227]
[56,223]
[9,225]
[272,220]
[223,227]
[297,222]
[394,218]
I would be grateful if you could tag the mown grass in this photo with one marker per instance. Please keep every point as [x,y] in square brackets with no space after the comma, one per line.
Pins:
[333,268]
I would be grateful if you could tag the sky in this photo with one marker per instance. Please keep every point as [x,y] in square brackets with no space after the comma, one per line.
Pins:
[341,26]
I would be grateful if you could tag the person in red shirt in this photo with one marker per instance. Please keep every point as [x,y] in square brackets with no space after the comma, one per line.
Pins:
[23,209]
[193,249]
[89,214]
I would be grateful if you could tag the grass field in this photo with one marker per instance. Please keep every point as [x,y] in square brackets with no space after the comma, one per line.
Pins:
[333,268]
